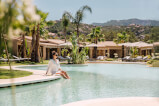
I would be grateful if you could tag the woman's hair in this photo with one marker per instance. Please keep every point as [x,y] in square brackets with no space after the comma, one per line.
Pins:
[54,53]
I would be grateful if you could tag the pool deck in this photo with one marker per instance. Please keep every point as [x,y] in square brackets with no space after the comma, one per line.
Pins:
[36,77]
[116,62]
[123,101]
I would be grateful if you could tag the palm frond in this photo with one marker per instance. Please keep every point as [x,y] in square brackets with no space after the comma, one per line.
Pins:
[86,8]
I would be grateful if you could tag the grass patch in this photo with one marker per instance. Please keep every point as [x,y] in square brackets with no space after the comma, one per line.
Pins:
[110,59]
[6,74]
[155,64]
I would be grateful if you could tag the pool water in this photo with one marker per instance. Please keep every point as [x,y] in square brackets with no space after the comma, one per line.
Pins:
[87,82]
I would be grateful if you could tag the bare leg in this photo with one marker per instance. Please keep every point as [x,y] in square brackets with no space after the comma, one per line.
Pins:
[65,74]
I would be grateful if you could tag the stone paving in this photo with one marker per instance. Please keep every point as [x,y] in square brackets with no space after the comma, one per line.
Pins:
[37,76]
[129,101]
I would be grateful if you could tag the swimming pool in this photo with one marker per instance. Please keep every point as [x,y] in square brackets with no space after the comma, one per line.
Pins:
[87,82]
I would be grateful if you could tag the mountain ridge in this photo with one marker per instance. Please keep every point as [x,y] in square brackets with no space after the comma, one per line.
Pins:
[128,22]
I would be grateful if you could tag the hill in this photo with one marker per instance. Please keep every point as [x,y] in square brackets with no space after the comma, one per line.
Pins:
[129,22]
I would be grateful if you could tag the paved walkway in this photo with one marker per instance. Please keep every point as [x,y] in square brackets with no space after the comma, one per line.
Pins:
[116,62]
[37,76]
[130,101]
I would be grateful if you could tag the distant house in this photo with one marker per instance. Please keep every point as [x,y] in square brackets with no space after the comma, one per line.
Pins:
[52,35]
[143,48]
[107,48]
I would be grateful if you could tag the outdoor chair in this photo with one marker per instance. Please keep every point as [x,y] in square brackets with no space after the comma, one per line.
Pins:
[62,58]
[138,58]
[6,60]
[87,57]
[101,57]
[128,58]
[3,60]
[21,59]
[68,57]
[146,58]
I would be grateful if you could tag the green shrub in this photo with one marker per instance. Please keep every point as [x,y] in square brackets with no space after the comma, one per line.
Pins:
[149,56]
[155,64]
[150,62]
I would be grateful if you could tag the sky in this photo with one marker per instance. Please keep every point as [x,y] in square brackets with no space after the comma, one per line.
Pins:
[103,10]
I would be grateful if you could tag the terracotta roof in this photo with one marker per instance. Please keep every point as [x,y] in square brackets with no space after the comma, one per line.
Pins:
[65,44]
[156,43]
[103,44]
[94,45]
[41,40]
[108,43]
[48,44]
[137,44]
[55,41]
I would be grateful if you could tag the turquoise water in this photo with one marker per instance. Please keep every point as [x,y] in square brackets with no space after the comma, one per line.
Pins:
[87,82]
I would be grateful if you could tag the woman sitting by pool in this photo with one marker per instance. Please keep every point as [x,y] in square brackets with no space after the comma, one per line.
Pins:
[54,67]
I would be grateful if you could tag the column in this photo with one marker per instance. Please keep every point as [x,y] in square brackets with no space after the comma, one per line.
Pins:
[146,52]
[44,52]
[108,52]
[125,52]
[141,52]
[48,53]
[59,51]
[104,52]
[90,52]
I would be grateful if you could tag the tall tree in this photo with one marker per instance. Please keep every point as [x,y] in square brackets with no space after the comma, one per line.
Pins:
[38,31]
[122,38]
[65,23]
[78,18]
[23,54]
[96,35]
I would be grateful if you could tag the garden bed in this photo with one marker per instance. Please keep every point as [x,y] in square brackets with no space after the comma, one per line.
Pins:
[6,74]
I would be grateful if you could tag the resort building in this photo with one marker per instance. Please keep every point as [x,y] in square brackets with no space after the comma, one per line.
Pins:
[107,48]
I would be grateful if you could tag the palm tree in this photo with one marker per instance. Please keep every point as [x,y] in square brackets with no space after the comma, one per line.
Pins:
[38,31]
[23,54]
[96,35]
[99,36]
[65,23]
[78,18]
[122,38]
[92,35]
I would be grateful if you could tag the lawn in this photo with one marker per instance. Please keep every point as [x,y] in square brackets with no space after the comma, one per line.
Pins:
[153,63]
[6,74]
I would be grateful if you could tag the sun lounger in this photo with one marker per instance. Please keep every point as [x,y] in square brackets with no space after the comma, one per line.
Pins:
[3,60]
[21,59]
[6,60]
[146,58]
[138,58]
[62,58]
[16,59]
[127,58]
[101,57]
[87,57]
